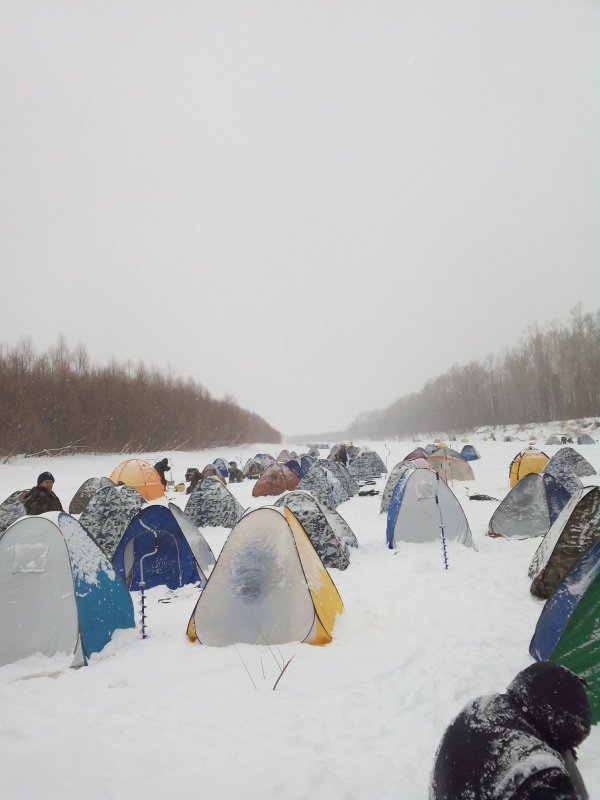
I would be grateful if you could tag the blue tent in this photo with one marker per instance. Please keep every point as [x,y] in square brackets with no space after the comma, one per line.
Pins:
[306,463]
[295,467]
[469,453]
[155,551]
[222,466]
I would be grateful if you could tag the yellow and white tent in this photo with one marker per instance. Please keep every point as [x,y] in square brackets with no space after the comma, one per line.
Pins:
[141,475]
[269,586]
[523,463]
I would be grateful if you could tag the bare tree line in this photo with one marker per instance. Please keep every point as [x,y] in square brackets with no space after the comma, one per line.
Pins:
[58,399]
[552,374]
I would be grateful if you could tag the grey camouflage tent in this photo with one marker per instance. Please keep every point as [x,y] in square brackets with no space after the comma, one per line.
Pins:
[530,508]
[348,483]
[552,440]
[567,457]
[328,531]
[585,439]
[564,474]
[394,476]
[108,514]
[366,464]
[86,491]
[11,509]
[211,504]
[323,484]
[574,531]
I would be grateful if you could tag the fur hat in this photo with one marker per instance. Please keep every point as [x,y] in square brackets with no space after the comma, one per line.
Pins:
[45,476]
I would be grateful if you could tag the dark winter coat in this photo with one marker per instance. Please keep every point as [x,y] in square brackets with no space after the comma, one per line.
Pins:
[508,746]
[38,501]
[161,467]
[235,475]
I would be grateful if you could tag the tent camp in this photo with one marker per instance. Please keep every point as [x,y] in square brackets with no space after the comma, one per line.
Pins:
[394,476]
[470,453]
[11,509]
[154,551]
[275,480]
[421,506]
[268,587]
[58,591]
[86,491]
[574,531]
[141,475]
[450,466]
[328,531]
[366,464]
[108,514]
[568,630]
[323,483]
[585,439]
[524,463]
[530,508]
[567,457]
[212,505]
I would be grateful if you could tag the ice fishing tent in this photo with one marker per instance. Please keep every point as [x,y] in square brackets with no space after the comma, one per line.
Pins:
[108,514]
[275,480]
[58,591]
[212,505]
[295,467]
[253,469]
[585,439]
[11,509]
[86,491]
[339,471]
[222,466]
[418,452]
[322,482]
[530,508]
[306,463]
[450,467]
[330,534]
[268,587]
[524,463]
[568,630]
[391,483]
[567,457]
[283,456]
[211,471]
[264,459]
[470,453]
[574,531]
[366,464]
[421,505]
[200,548]
[154,551]
[552,440]
[141,475]
[564,475]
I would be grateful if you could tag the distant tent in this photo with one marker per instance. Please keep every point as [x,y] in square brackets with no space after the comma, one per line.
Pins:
[141,475]
[11,509]
[275,480]
[154,551]
[395,475]
[58,591]
[86,491]
[212,471]
[567,457]
[349,484]
[253,469]
[294,466]
[564,475]
[575,530]
[268,587]
[450,467]
[222,466]
[419,452]
[212,505]
[283,457]
[323,484]
[366,464]
[108,514]
[421,504]
[469,453]
[530,508]
[264,459]
[524,463]
[552,440]
[568,630]
[306,463]
[585,439]
[328,531]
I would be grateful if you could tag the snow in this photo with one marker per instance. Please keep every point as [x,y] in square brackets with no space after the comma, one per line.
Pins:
[359,718]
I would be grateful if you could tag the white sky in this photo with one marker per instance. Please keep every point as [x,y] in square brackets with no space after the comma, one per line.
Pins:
[311,205]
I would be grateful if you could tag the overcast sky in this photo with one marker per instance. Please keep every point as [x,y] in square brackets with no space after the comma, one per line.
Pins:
[311,205]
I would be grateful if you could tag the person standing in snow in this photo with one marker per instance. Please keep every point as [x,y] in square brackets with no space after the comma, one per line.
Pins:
[161,467]
[517,745]
[41,498]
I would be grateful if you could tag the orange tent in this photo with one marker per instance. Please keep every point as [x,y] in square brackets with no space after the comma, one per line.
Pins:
[141,476]
[276,479]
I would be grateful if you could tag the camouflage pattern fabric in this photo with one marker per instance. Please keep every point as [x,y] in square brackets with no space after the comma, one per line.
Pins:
[86,491]
[10,510]
[341,473]
[108,514]
[331,550]
[323,484]
[366,465]
[563,474]
[395,475]
[212,505]
[566,456]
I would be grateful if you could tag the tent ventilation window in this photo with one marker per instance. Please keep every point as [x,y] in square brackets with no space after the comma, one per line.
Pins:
[424,491]
[30,558]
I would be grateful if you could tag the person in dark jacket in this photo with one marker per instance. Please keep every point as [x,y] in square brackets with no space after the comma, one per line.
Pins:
[41,498]
[161,467]
[192,474]
[517,745]
[235,473]
[341,455]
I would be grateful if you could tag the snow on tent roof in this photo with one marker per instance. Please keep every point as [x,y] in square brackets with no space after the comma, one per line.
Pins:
[564,475]
[154,551]
[141,475]
[420,504]
[11,509]
[568,630]
[86,491]
[470,453]
[253,468]
[108,514]
[323,484]
[585,439]
[349,485]
[268,587]
[530,508]
[211,504]
[574,531]
[264,459]
[366,464]
[329,533]
[222,466]
[64,594]
[394,477]
[275,480]
[524,463]
[568,457]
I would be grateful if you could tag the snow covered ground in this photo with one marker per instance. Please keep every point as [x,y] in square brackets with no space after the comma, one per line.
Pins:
[359,718]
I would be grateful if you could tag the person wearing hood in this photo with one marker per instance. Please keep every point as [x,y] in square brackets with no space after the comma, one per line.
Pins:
[41,498]
[517,745]
[161,467]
